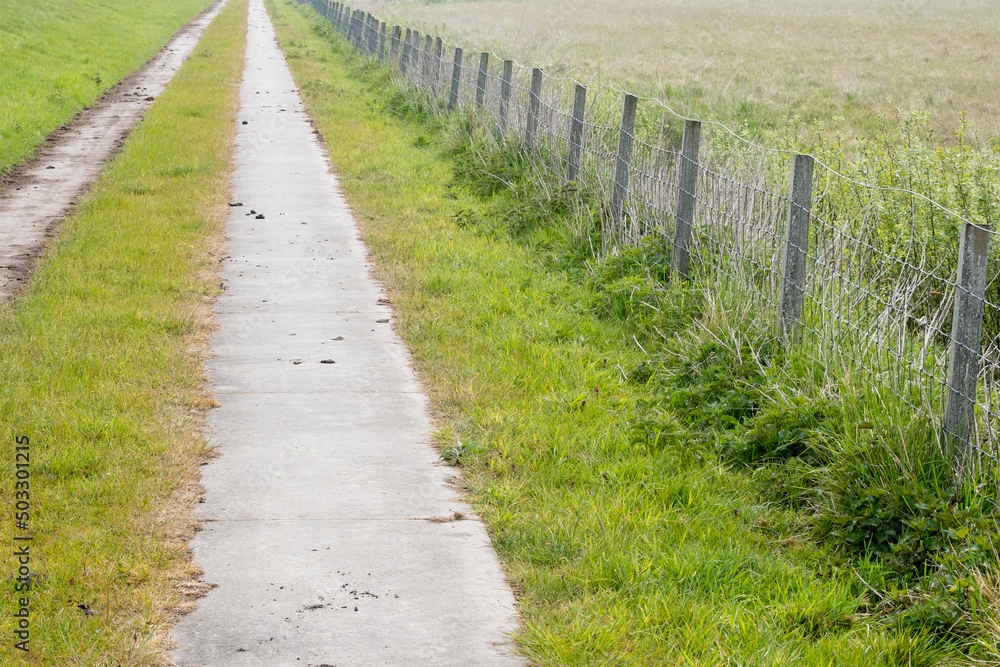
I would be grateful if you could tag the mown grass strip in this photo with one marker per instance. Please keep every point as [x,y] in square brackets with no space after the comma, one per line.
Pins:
[625,545]
[101,371]
[58,56]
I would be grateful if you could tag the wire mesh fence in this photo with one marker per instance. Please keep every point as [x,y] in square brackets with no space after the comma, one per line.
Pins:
[872,279]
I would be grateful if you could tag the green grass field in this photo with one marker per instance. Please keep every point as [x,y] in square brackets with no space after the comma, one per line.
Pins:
[101,371]
[623,439]
[58,56]
[769,66]
[662,484]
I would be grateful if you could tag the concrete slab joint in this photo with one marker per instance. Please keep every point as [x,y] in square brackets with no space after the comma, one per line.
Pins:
[332,534]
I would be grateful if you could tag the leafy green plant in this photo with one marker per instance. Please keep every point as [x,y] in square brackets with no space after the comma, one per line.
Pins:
[791,483]
[903,521]
[780,432]
[715,388]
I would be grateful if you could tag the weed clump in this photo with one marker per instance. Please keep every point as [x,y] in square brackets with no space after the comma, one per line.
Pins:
[888,505]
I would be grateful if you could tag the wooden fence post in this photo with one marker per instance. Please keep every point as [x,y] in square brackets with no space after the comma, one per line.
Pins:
[958,425]
[484,63]
[534,108]
[425,71]
[404,60]
[436,64]
[623,160]
[687,184]
[793,266]
[394,44]
[415,55]
[381,42]
[505,88]
[576,134]
[456,77]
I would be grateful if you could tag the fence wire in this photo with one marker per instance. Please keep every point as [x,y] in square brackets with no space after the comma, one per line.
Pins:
[882,264]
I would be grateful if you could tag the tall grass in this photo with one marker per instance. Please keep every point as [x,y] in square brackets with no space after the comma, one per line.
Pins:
[882,255]
[664,482]
[840,457]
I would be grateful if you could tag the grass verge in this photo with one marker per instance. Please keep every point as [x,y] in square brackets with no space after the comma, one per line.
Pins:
[58,56]
[101,372]
[629,535]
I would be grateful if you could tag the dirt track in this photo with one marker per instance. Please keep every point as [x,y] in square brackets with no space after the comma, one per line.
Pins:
[41,192]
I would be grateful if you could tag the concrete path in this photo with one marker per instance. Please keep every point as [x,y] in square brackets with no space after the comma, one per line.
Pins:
[331,530]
